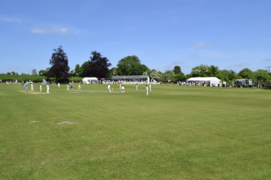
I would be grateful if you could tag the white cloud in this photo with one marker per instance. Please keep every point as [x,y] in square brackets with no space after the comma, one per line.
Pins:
[202,44]
[46,31]
[13,19]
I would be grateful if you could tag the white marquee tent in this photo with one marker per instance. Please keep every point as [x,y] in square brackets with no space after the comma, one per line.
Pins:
[212,80]
[88,80]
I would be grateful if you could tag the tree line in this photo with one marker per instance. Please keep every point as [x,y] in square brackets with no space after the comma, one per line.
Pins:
[98,66]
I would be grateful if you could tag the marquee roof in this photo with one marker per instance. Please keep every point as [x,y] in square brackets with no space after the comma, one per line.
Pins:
[203,79]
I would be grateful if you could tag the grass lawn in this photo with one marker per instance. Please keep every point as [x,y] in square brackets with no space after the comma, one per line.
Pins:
[174,133]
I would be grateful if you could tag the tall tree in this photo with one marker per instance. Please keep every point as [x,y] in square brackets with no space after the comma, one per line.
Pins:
[246,73]
[81,69]
[59,61]
[168,75]
[213,71]
[177,69]
[156,75]
[76,69]
[34,72]
[261,75]
[131,65]
[97,66]
[200,71]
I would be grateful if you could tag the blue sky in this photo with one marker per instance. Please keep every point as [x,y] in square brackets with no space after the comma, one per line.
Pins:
[231,34]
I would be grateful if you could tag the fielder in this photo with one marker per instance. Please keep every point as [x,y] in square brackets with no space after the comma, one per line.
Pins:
[108,87]
[59,85]
[26,87]
[32,88]
[48,89]
[122,89]
[147,90]
[71,86]
[68,87]
[40,88]
[150,87]
[79,86]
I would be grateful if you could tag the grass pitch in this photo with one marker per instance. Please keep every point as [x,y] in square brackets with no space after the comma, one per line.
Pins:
[174,133]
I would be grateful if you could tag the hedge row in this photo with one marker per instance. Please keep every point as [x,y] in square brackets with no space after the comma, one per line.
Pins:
[5,77]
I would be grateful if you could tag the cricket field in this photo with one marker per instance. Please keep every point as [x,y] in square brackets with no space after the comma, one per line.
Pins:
[173,133]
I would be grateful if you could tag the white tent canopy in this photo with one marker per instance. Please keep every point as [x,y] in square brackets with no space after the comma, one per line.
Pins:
[88,80]
[213,80]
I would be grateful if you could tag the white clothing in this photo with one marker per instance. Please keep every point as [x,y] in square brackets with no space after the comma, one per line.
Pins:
[150,88]
[79,87]
[47,88]
[108,88]
[147,90]
[136,87]
[40,88]
[68,87]
[122,89]
[32,88]
[58,84]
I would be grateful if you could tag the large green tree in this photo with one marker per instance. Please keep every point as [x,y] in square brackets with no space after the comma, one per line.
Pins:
[177,69]
[131,65]
[261,75]
[200,71]
[246,73]
[76,69]
[34,72]
[213,71]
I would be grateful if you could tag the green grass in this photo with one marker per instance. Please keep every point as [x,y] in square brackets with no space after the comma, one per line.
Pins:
[174,133]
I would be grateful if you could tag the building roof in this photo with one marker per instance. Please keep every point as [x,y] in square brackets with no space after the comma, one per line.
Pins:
[130,77]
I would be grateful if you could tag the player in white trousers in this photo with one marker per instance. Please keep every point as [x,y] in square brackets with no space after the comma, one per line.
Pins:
[68,87]
[120,86]
[79,86]
[147,90]
[122,89]
[32,88]
[150,87]
[40,88]
[47,88]
[108,87]
[59,85]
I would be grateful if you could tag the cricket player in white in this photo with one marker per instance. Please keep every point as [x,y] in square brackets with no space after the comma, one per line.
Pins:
[150,87]
[120,86]
[40,88]
[147,90]
[58,84]
[79,86]
[32,88]
[68,87]
[108,87]
[122,89]
[47,88]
